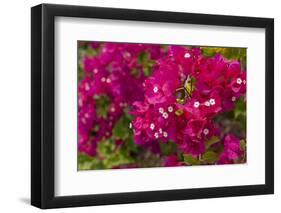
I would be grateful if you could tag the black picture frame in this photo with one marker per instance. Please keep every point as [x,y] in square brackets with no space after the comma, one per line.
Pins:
[43,105]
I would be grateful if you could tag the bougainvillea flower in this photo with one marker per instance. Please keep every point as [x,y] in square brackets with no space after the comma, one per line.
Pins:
[166,95]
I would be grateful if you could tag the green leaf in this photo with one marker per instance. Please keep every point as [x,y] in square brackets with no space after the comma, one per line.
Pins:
[189,84]
[168,148]
[146,62]
[143,58]
[210,157]
[179,112]
[116,160]
[121,128]
[102,105]
[83,158]
[243,145]
[213,140]
[190,160]
[208,52]
[106,147]
[86,162]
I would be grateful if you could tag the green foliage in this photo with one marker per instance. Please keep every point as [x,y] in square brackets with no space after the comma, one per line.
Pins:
[179,112]
[168,148]
[209,157]
[243,145]
[240,109]
[146,62]
[102,105]
[112,155]
[212,141]
[190,160]
[233,53]
[120,130]
[84,50]
[86,162]
[189,85]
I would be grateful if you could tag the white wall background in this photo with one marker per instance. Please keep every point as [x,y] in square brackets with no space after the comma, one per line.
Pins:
[15,105]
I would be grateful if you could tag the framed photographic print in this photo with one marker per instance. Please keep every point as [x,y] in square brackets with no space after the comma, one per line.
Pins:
[140,106]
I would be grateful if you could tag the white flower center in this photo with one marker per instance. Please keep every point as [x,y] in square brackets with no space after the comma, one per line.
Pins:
[155,89]
[165,134]
[103,79]
[95,70]
[152,126]
[233,98]
[161,110]
[170,109]
[160,131]
[156,135]
[206,131]
[165,115]
[238,81]
[108,80]
[187,55]
[196,104]
[212,101]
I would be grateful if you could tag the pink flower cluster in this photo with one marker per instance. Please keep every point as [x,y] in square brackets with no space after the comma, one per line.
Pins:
[207,87]
[115,76]
[177,100]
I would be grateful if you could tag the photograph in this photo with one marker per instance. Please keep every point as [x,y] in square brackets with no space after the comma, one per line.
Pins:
[169,105]
[160,105]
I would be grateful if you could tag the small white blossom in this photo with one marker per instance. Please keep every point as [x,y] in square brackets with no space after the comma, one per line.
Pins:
[155,89]
[108,80]
[165,134]
[238,81]
[103,79]
[233,98]
[212,101]
[187,55]
[156,135]
[161,110]
[152,126]
[205,131]
[196,104]
[165,115]
[130,125]
[160,131]
[170,109]
[96,70]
